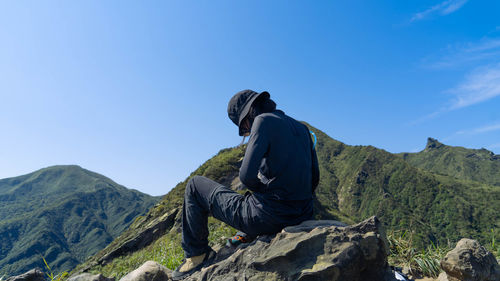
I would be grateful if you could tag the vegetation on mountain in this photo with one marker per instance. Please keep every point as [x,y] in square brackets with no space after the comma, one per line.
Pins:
[360,181]
[479,165]
[63,213]
[356,183]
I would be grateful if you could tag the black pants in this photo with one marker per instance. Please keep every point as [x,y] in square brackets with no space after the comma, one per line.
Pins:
[243,212]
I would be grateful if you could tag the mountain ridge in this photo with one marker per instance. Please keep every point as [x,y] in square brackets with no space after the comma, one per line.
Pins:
[64,213]
[480,165]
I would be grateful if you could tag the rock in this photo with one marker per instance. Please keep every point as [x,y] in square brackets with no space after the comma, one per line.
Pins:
[309,225]
[469,261]
[442,277]
[313,250]
[432,144]
[149,271]
[406,270]
[150,232]
[32,275]
[426,279]
[90,277]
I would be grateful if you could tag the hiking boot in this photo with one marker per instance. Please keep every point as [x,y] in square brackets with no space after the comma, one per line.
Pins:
[193,264]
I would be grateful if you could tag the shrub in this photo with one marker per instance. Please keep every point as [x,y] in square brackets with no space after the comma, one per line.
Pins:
[423,262]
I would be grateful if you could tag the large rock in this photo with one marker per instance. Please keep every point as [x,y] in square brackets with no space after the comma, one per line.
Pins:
[310,251]
[32,275]
[148,230]
[470,261]
[90,277]
[136,241]
[149,271]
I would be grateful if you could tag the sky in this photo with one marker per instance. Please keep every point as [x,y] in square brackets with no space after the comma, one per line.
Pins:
[138,90]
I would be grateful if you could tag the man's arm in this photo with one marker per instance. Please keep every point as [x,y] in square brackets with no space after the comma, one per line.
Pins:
[258,145]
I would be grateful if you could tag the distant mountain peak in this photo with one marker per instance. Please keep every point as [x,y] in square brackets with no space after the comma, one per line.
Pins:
[64,212]
[433,143]
[55,167]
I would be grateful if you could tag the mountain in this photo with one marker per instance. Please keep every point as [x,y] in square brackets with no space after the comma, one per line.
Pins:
[360,181]
[478,165]
[356,182]
[63,213]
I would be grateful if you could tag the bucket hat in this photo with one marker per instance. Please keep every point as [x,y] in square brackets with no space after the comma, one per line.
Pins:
[240,105]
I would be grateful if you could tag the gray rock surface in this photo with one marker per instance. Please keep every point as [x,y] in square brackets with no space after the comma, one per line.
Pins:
[309,225]
[443,277]
[152,231]
[149,271]
[310,251]
[32,275]
[470,261]
[90,277]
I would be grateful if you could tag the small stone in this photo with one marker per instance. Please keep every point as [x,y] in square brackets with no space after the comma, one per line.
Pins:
[149,271]
[442,277]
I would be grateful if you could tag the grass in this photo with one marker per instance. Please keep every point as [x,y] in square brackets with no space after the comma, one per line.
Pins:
[493,247]
[423,262]
[403,253]
[50,274]
[166,251]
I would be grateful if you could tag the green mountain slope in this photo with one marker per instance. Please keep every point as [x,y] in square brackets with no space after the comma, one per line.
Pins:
[360,181]
[356,182]
[64,213]
[478,165]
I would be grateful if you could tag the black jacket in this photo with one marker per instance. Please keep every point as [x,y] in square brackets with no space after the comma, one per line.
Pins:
[280,164]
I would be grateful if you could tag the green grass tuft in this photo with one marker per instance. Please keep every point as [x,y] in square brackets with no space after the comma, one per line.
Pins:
[403,253]
[59,277]
[166,251]
[493,247]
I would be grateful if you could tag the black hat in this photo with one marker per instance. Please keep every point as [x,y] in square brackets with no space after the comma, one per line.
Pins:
[240,105]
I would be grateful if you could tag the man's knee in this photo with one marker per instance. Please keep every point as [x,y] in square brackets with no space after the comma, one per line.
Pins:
[191,185]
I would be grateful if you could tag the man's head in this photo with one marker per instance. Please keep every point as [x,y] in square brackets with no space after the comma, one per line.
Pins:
[245,105]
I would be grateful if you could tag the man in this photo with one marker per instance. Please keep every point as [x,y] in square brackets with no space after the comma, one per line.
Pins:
[280,167]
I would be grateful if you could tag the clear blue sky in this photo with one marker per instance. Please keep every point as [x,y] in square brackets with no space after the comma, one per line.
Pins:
[138,90]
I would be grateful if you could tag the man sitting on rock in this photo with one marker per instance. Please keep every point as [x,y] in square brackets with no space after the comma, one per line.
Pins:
[280,167]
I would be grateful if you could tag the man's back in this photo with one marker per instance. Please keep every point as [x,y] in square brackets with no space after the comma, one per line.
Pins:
[287,158]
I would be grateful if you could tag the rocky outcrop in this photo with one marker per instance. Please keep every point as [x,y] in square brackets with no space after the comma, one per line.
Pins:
[32,275]
[319,250]
[469,261]
[150,233]
[150,229]
[149,271]
[312,250]
[432,144]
